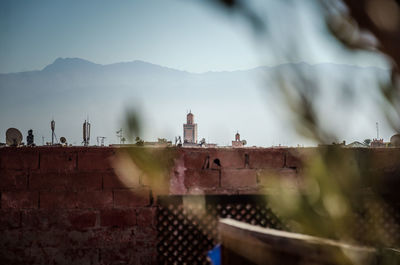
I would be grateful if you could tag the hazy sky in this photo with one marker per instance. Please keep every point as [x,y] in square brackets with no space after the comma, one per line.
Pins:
[173,33]
[190,35]
[186,35]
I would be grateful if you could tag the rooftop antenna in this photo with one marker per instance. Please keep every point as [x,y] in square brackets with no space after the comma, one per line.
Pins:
[53,134]
[377,130]
[13,137]
[86,132]
[119,135]
[178,140]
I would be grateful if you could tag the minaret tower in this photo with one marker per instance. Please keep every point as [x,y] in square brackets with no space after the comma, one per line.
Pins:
[190,130]
[237,137]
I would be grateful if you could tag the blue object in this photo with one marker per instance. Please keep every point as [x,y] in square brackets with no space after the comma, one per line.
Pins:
[215,255]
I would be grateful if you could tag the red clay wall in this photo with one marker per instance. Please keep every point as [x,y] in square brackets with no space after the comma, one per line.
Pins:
[67,206]
[240,171]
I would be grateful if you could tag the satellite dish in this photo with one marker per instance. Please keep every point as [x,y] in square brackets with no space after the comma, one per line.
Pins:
[63,140]
[13,137]
[244,142]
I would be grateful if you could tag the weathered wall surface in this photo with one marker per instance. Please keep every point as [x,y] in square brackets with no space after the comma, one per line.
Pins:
[247,170]
[66,206]
[228,170]
[72,206]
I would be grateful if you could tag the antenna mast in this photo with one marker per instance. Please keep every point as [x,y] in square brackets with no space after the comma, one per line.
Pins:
[86,133]
[119,135]
[53,134]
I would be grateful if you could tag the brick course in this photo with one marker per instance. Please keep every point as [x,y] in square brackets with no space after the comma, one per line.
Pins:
[202,178]
[118,217]
[58,161]
[13,179]
[239,178]
[97,159]
[131,198]
[19,200]
[65,181]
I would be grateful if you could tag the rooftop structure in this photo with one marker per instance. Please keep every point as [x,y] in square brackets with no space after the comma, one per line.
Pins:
[377,143]
[238,142]
[356,144]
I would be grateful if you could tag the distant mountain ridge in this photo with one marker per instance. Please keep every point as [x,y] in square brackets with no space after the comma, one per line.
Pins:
[67,64]
[73,64]
[74,87]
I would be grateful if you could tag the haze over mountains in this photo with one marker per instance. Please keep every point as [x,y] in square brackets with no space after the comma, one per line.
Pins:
[72,89]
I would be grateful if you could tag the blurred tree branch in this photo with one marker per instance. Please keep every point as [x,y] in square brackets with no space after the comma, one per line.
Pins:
[373,15]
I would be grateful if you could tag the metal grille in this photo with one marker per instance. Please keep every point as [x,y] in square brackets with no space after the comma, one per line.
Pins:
[187,225]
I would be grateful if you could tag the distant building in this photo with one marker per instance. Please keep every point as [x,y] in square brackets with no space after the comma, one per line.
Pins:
[356,144]
[238,142]
[190,131]
[377,143]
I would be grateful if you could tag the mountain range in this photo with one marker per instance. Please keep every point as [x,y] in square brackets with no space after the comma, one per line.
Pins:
[70,90]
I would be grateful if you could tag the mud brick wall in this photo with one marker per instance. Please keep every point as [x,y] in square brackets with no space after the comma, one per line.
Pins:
[70,206]
[229,170]
[247,170]
[66,206]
